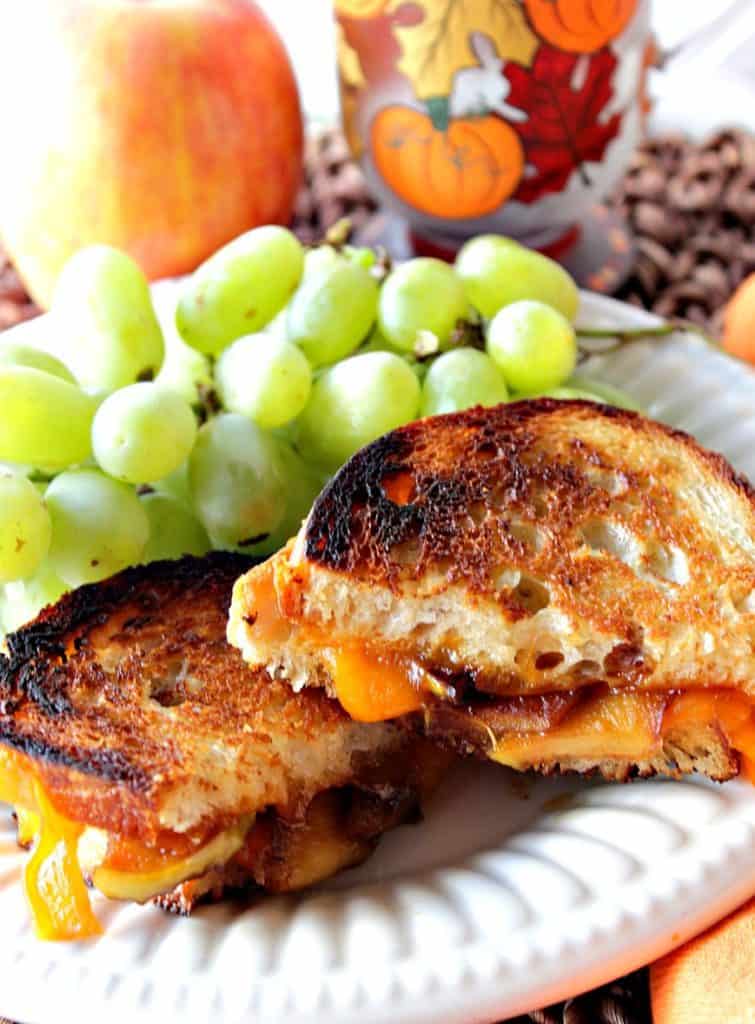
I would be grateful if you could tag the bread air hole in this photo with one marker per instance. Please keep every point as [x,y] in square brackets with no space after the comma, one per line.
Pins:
[586,671]
[478,512]
[626,661]
[601,535]
[399,487]
[528,534]
[667,562]
[609,480]
[407,552]
[168,693]
[531,594]
[746,605]
[174,686]
[540,506]
[548,660]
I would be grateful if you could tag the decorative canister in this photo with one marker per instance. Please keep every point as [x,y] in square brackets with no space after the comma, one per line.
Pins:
[511,116]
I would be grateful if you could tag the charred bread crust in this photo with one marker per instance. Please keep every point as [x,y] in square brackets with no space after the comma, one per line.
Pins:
[462,459]
[138,716]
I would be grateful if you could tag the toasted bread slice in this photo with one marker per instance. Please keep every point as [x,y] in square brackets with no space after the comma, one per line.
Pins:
[543,570]
[126,716]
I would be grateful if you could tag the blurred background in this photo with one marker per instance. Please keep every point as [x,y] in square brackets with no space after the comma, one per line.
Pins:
[708,77]
[690,246]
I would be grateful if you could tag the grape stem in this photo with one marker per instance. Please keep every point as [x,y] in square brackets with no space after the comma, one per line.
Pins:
[383,264]
[337,234]
[208,403]
[625,336]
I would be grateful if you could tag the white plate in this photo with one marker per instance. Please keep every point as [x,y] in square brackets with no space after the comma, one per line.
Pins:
[513,893]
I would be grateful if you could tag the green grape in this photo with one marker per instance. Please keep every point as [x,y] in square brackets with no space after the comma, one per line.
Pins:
[376,342]
[98,526]
[17,469]
[534,346]
[239,289]
[102,308]
[460,379]
[332,312]
[497,271]
[563,393]
[354,402]
[265,378]
[176,484]
[303,483]
[143,432]
[237,482]
[360,254]
[184,370]
[15,353]
[45,421]
[418,296]
[174,530]
[24,528]
[278,326]
[23,600]
[604,392]
[319,258]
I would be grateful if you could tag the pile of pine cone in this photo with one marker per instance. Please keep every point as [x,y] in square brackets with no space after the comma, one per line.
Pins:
[691,208]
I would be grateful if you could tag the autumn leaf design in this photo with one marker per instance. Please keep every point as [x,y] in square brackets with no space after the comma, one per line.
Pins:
[564,95]
[439,45]
[348,61]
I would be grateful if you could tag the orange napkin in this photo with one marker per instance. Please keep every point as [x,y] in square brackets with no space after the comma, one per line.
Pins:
[711,980]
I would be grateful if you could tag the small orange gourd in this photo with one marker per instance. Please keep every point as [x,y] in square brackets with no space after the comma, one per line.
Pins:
[579,26]
[456,169]
[739,321]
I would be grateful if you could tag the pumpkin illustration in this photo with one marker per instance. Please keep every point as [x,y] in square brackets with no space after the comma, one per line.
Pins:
[579,26]
[360,8]
[458,168]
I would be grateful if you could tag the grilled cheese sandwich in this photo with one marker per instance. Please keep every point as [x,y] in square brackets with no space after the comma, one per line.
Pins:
[144,757]
[552,585]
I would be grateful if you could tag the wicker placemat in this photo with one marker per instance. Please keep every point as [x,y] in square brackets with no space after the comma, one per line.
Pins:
[692,209]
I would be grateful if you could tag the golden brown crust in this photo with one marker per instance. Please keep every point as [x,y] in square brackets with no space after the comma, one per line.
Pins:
[620,528]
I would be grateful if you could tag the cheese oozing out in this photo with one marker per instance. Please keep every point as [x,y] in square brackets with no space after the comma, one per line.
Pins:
[64,851]
[374,685]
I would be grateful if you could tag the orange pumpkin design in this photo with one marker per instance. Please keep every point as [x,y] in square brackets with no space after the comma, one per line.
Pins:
[465,169]
[579,26]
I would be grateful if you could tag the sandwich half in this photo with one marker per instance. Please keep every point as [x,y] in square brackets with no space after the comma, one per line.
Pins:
[552,585]
[143,756]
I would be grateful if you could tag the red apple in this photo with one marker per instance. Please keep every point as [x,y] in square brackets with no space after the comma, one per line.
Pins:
[163,127]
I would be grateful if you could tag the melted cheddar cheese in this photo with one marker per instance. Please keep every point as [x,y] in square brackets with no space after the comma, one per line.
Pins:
[28,826]
[610,725]
[55,888]
[153,872]
[373,686]
[122,869]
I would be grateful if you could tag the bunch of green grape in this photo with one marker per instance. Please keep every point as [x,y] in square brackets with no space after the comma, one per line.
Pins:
[130,433]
